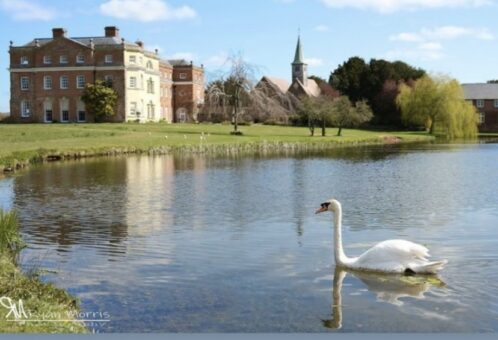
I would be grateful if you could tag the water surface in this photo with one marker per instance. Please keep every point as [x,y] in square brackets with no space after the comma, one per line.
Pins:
[194,244]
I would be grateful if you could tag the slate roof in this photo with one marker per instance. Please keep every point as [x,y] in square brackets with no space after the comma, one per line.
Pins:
[178,62]
[84,41]
[298,58]
[480,91]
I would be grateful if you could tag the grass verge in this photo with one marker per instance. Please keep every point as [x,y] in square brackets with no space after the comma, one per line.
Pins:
[40,301]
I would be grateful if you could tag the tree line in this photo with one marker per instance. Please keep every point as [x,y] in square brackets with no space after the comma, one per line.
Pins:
[378,83]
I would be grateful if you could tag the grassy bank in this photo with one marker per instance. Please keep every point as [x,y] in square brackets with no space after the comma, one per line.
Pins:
[39,300]
[24,144]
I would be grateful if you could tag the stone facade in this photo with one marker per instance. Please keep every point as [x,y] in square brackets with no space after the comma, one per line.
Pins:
[48,76]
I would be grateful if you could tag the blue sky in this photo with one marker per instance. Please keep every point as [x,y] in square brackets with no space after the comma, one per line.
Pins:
[454,37]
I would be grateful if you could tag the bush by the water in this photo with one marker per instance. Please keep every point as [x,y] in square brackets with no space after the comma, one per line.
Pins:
[10,239]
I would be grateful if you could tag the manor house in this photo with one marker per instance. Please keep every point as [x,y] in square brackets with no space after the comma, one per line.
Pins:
[48,76]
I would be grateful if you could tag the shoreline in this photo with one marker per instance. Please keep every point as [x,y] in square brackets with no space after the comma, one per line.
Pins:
[30,299]
[21,160]
[28,305]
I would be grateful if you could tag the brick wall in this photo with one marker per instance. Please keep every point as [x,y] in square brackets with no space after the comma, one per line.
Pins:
[491,116]
[188,91]
[37,70]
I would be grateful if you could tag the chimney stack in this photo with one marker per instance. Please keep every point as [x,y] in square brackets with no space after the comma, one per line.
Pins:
[59,32]
[111,31]
[140,43]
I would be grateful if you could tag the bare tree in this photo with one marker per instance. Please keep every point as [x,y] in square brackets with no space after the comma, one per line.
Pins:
[237,94]
[271,103]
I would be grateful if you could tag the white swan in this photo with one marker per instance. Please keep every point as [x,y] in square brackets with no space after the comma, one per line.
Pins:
[393,256]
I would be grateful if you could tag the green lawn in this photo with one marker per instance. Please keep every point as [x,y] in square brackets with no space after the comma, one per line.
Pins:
[26,142]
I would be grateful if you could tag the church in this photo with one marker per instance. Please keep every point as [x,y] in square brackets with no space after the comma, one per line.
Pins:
[300,86]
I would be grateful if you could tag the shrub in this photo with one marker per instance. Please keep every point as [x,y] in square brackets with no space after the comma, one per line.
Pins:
[10,239]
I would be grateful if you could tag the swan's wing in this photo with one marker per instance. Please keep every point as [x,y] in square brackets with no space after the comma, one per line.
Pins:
[393,253]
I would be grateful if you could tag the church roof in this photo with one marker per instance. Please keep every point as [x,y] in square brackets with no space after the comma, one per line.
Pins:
[281,84]
[312,89]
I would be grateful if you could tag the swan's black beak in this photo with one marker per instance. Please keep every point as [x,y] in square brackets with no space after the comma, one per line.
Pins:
[323,208]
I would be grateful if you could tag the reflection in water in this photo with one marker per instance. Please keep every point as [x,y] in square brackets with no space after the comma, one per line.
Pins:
[6,193]
[387,288]
[336,321]
[149,199]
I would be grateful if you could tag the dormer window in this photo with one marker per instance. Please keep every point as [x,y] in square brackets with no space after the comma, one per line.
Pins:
[24,60]
[80,59]
[63,59]
[47,60]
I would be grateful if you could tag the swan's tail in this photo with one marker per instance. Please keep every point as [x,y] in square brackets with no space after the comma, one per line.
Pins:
[430,267]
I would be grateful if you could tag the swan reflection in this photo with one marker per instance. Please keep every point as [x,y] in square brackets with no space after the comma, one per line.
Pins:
[387,288]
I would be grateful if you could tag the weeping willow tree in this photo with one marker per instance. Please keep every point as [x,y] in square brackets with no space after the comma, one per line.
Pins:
[439,105]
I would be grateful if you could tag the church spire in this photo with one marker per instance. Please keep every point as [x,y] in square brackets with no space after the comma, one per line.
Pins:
[299,67]
[298,59]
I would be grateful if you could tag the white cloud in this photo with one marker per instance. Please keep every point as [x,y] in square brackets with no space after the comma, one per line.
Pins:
[426,44]
[390,6]
[146,10]
[188,56]
[430,46]
[443,33]
[424,52]
[407,37]
[218,60]
[322,28]
[314,61]
[25,11]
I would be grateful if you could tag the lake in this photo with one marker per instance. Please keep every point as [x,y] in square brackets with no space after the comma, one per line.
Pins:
[199,244]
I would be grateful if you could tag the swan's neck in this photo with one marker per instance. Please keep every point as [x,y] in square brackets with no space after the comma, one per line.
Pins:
[340,258]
